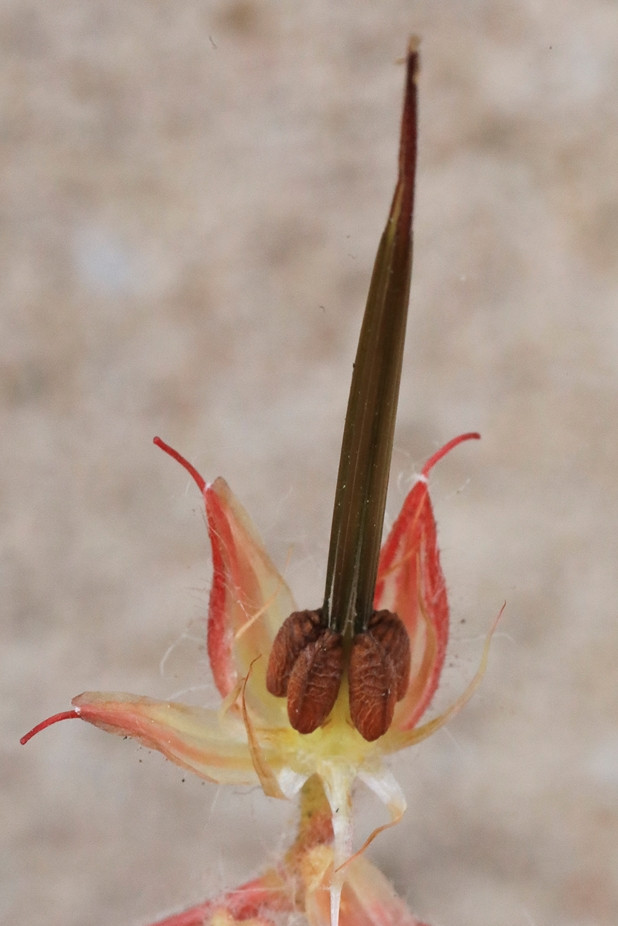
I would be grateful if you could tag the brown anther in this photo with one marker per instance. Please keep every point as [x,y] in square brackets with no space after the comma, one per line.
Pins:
[389,631]
[378,674]
[314,682]
[296,632]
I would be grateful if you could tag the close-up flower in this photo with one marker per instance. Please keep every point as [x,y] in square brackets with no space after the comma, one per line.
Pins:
[313,701]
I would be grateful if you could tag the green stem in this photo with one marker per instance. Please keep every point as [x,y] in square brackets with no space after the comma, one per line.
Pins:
[362,482]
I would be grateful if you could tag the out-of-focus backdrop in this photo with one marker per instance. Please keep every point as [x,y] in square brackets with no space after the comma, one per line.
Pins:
[191,198]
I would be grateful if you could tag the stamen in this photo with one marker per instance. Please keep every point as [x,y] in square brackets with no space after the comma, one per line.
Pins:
[297,632]
[314,682]
[378,674]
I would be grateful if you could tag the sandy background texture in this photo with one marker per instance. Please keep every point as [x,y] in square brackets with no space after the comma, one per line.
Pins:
[191,198]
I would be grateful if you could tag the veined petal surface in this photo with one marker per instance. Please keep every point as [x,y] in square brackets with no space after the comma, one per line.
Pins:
[411,584]
[211,745]
[249,600]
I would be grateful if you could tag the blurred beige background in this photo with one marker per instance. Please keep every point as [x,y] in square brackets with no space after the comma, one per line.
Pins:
[192,194]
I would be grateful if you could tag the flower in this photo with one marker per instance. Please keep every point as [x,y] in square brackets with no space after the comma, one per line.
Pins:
[360,671]
[249,738]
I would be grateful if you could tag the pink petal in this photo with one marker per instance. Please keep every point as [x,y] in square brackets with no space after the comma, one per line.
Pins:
[401,738]
[211,746]
[411,583]
[248,903]
[249,600]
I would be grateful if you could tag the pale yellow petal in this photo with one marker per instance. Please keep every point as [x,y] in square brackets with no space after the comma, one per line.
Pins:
[200,740]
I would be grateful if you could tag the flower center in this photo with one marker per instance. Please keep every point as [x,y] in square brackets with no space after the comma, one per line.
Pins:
[308,659]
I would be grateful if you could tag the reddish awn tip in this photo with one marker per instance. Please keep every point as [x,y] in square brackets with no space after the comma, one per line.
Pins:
[64,715]
[200,481]
[442,452]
